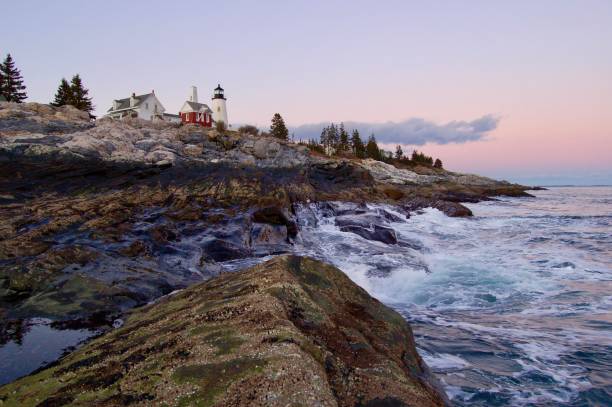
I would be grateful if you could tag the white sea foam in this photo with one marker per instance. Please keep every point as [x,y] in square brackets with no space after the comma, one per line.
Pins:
[516,290]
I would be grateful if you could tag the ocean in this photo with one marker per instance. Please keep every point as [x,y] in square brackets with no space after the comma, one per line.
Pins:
[509,308]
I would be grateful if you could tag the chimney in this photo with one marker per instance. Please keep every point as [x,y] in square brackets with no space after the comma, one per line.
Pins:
[133,100]
[194,95]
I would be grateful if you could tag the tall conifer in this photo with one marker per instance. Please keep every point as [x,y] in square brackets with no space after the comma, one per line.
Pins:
[12,86]
[278,128]
[343,144]
[357,144]
[79,95]
[63,96]
[372,149]
[399,153]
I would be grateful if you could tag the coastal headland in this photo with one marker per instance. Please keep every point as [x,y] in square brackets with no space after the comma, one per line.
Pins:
[97,220]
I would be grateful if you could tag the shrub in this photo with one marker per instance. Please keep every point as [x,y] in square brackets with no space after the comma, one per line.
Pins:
[249,129]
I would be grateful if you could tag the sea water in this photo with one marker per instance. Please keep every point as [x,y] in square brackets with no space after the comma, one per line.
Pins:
[510,307]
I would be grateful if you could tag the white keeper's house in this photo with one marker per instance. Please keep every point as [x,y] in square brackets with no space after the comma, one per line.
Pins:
[147,107]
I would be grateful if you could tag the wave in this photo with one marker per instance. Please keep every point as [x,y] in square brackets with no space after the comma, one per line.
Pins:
[493,300]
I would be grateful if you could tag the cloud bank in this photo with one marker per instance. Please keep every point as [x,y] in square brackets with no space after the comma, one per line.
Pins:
[413,131]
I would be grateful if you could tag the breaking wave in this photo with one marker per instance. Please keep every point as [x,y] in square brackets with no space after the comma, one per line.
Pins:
[510,307]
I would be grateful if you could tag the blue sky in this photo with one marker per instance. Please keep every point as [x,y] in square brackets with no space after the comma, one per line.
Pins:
[542,70]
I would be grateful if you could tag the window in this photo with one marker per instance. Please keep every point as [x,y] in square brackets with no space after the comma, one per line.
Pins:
[147,106]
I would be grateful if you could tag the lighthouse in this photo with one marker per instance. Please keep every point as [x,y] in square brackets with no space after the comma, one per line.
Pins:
[218,106]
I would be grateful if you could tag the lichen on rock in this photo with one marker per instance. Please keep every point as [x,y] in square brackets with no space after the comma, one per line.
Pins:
[290,329]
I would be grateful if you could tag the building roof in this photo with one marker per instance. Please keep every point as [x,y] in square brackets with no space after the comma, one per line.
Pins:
[125,103]
[176,116]
[196,107]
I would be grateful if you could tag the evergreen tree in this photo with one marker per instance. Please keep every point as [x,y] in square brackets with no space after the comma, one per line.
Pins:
[12,86]
[329,139]
[63,96]
[78,97]
[372,150]
[1,83]
[357,145]
[399,153]
[324,137]
[334,137]
[278,128]
[438,163]
[343,143]
[420,158]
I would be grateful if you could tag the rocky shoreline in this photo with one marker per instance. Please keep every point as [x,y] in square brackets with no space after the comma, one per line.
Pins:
[96,219]
[289,329]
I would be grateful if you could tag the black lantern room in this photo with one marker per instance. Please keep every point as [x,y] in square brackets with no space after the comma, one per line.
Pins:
[219,93]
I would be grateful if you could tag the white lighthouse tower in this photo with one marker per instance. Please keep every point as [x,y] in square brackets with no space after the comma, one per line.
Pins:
[218,106]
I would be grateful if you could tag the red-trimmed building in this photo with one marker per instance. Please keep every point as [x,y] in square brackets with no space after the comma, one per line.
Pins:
[194,112]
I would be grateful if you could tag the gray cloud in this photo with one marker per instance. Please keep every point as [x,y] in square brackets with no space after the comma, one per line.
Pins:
[413,131]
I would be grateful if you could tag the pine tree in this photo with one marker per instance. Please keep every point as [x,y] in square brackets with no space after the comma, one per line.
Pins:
[12,87]
[324,140]
[63,95]
[1,83]
[399,153]
[343,144]
[78,95]
[334,137]
[357,144]
[372,149]
[278,128]
[329,139]
[438,163]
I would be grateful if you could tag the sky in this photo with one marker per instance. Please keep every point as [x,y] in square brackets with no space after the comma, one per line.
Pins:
[519,90]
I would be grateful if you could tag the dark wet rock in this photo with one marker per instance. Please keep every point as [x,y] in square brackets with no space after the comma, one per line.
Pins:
[389,216]
[222,250]
[342,208]
[459,196]
[276,216]
[452,209]
[378,233]
[269,239]
[289,326]
[365,220]
[329,176]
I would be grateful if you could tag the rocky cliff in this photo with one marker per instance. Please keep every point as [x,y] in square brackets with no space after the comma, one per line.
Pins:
[291,331]
[99,218]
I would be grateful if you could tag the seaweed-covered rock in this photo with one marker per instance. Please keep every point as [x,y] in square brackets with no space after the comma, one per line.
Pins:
[289,329]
